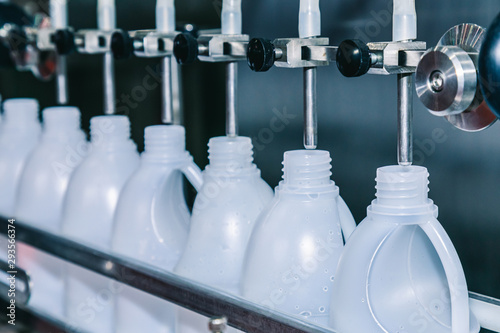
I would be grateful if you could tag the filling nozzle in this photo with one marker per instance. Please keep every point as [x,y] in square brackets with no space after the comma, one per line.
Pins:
[309,19]
[59,20]
[231,22]
[165,22]
[404,28]
[404,25]
[106,18]
[231,17]
[309,27]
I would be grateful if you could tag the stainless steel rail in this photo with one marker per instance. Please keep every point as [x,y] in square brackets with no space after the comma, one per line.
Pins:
[204,300]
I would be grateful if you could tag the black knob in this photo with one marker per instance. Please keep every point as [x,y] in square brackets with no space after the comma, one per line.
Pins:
[489,67]
[64,41]
[260,54]
[353,58]
[122,45]
[185,48]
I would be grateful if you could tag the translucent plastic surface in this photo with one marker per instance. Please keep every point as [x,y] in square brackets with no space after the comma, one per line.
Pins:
[88,217]
[152,225]
[40,198]
[224,213]
[399,270]
[294,250]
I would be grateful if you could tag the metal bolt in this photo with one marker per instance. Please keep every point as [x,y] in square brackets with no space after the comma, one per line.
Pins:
[217,325]
[437,81]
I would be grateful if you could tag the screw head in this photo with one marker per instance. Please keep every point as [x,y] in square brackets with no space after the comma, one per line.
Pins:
[436,81]
[260,54]
[217,325]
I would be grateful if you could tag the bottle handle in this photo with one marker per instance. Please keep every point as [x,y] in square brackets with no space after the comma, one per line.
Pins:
[454,274]
[192,173]
[347,222]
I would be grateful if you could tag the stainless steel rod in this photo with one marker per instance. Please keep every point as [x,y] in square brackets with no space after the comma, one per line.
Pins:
[310,109]
[231,99]
[405,119]
[62,80]
[167,111]
[109,84]
[177,102]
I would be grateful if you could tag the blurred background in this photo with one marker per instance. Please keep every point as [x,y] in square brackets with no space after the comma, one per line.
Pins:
[357,117]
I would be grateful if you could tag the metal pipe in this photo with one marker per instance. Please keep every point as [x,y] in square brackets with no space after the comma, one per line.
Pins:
[109,84]
[62,80]
[177,102]
[310,109]
[405,119]
[167,112]
[231,99]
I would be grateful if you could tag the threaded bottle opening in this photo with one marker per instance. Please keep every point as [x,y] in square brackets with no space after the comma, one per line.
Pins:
[61,119]
[399,186]
[21,110]
[230,154]
[109,128]
[307,169]
[165,142]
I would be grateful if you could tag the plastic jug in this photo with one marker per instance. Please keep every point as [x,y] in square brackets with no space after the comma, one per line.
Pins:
[88,218]
[40,198]
[19,136]
[152,224]
[224,213]
[294,250]
[399,271]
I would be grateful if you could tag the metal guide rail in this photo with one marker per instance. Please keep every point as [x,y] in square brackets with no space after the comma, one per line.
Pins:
[204,300]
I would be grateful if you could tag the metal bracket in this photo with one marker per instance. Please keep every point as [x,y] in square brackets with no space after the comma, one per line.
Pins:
[395,57]
[303,52]
[222,48]
[93,41]
[152,43]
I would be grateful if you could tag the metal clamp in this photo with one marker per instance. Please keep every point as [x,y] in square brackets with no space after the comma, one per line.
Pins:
[301,52]
[93,41]
[222,48]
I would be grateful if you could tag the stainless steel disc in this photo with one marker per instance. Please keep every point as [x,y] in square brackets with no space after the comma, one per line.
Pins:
[446,80]
[477,116]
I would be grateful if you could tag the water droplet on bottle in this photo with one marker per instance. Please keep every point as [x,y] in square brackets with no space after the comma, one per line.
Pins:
[322,309]
[325,289]
[332,278]
[362,300]
[296,307]
[306,314]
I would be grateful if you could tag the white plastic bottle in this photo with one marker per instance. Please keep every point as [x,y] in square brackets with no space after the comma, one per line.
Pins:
[88,218]
[224,213]
[40,198]
[152,224]
[19,134]
[399,271]
[294,250]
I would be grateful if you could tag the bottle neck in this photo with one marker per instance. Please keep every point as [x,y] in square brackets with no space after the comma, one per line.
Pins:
[61,122]
[232,156]
[21,113]
[110,133]
[402,190]
[307,171]
[165,144]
